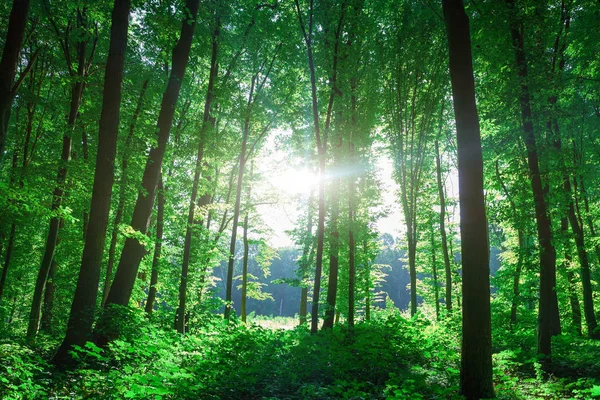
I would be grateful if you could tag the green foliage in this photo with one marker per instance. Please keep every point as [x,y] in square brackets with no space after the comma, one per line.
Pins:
[23,373]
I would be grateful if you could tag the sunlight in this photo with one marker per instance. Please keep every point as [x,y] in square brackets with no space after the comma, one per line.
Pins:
[294,181]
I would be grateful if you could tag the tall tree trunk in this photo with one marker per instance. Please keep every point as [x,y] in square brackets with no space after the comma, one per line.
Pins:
[133,251]
[9,249]
[436,287]
[236,210]
[307,252]
[245,270]
[548,316]
[442,196]
[208,122]
[321,139]
[577,228]
[367,266]
[351,245]
[81,318]
[48,307]
[17,22]
[334,250]
[122,194]
[76,95]
[566,267]
[516,279]
[476,358]
[160,217]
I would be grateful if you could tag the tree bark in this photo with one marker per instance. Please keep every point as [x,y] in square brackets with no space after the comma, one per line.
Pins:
[7,258]
[305,261]
[476,359]
[566,267]
[548,316]
[321,139]
[160,217]
[334,261]
[207,123]
[122,194]
[436,287]
[245,270]
[133,250]
[76,95]
[516,279]
[442,196]
[351,245]
[17,22]
[81,318]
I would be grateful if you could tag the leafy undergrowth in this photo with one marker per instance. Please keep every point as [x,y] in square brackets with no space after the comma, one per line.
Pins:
[390,357]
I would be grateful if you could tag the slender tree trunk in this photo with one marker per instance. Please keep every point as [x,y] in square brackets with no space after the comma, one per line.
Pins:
[351,246]
[17,22]
[122,194]
[245,269]
[133,251]
[573,299]
[236,209]
[86,213]
[412,254]
[476,359]
[436,287]
[46,324]
[160,217]
[321,139]
[76,95]
[305,261]
[548,316]
[207,123]
[9,249]
[516,279]
[81,318]
[442,196]
[588,301]
[334,250]
[367,267]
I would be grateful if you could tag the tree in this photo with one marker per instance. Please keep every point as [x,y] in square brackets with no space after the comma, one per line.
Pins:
[476,359]
[83,308]
[548,317]
[133,251]
[77,87]
[17,23]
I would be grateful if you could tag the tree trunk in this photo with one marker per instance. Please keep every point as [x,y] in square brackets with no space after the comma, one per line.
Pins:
[245,270]
[577,228]
[334,250]
[122,194]
[48,307]
[81,318]
[436,287]
[133,250]
[476,358]
[548,316]
[516,279]
[160,217]
[9,249]
[351,245]
[236,209]
[207,123]
[307,252]
[321,139]
[566,267]
[17,22]
[447,269]
[76,95]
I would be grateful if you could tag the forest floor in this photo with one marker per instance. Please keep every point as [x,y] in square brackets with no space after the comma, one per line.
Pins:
[390,357]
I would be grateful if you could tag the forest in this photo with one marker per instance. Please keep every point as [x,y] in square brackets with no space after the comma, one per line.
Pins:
[299,199]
